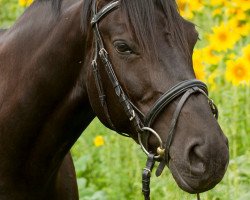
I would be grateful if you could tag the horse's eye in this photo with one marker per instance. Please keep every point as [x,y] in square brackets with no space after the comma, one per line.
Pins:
[123,48]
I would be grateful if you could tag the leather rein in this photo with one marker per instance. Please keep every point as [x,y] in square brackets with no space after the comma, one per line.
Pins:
[140,122]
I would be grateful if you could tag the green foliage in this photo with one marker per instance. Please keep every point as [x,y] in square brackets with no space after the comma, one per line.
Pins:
[9,11]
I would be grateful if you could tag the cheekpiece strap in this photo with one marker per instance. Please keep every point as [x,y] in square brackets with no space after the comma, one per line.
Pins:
[100,52]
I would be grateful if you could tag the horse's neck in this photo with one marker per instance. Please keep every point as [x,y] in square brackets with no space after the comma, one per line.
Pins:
[43,105]
[2,31]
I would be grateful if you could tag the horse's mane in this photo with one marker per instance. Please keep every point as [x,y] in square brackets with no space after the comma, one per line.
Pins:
[140,17]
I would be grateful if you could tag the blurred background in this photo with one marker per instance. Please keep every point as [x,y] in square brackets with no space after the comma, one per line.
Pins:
[109,166]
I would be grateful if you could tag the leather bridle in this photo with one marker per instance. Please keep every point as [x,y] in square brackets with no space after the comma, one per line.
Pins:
[140,122]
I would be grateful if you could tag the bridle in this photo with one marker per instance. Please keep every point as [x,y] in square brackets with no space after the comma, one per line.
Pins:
[140,122]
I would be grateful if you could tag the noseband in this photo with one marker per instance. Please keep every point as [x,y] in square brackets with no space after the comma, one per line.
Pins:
[142,123]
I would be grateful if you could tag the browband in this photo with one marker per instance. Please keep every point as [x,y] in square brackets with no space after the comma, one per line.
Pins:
[101,13]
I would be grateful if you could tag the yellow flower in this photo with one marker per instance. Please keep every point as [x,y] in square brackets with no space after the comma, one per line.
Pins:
[217,2]
[182,5]
[231,56]
[238,72]
[211,80]
[223,37]
[198,65]
[217,11]
[184,9]
[243,4]
[240,27]
[246,54]
[234,10]
[25,3]
[187,7]
[99,141]
[209,55]
[195,5]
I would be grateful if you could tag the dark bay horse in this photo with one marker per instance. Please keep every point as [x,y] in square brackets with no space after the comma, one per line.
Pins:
[56,76]
[2,31]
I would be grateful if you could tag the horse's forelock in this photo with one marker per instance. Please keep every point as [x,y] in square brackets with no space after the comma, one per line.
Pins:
[141,19]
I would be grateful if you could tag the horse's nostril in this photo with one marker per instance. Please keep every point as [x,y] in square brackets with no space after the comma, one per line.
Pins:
[196,159]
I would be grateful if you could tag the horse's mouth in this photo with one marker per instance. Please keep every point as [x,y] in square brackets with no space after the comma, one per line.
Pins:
[180,180]
[190,183]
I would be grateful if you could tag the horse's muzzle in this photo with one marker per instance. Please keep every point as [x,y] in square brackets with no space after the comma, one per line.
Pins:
[201,169]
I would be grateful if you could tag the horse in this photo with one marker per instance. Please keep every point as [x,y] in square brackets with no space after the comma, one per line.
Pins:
[2,31]
[127,62]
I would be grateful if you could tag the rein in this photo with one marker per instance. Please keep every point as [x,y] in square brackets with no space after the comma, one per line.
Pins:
[142,123]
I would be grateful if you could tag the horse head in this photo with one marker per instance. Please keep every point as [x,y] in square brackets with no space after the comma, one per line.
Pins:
[141,82]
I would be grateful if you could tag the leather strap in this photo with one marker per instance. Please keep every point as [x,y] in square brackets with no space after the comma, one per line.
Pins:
[101,13]
[146,175]
[174,121]
[102,53]
[169,96]
[99,44]
[101,93]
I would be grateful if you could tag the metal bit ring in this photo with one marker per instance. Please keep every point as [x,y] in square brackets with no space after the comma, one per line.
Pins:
[157,136]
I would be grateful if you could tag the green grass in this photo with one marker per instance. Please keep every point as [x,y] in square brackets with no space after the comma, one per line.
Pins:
[9,11]
[113,171]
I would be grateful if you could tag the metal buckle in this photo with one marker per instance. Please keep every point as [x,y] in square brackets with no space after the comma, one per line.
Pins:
[132,116]
[103,52]
[94,64]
